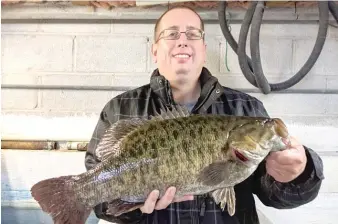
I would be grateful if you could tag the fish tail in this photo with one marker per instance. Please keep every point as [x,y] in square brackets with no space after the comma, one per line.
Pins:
[56,196]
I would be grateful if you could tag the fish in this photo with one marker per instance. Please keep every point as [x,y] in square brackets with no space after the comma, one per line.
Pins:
[198,154]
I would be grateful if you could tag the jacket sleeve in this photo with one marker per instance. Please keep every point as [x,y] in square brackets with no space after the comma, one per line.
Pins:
[91,161]
[298,192]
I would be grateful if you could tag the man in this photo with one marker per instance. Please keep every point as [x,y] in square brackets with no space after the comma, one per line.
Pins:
[286,180]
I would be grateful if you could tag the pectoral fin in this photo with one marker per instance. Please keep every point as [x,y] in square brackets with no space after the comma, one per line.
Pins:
[215,173]
[226,196]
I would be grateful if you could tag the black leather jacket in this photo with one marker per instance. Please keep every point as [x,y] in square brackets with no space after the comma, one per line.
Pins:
[214,99]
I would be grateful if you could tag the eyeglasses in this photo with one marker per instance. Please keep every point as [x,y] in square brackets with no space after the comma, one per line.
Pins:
[173,34]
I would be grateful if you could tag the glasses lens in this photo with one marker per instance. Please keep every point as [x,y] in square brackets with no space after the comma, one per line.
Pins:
[194,34]
[171,34]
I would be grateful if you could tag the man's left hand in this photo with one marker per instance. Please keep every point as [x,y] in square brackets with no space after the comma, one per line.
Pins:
[287,165]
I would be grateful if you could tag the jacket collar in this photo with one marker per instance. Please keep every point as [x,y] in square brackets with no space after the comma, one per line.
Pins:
[210,89]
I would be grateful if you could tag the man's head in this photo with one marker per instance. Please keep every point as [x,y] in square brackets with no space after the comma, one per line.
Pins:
[179,56]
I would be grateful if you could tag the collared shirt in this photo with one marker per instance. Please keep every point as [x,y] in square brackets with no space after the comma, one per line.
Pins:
[147,100]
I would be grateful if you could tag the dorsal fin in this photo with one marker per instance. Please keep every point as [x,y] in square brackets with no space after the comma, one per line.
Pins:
[176,112]
[109,144]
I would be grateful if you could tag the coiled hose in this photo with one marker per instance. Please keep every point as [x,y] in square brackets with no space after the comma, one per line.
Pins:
[252,70]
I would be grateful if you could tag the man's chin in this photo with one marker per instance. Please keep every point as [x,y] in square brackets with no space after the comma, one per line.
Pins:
[182,71]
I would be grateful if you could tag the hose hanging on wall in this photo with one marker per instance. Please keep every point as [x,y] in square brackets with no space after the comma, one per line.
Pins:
[252,70]
[334,10]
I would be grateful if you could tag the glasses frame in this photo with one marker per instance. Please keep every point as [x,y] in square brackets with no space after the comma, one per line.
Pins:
[180,33]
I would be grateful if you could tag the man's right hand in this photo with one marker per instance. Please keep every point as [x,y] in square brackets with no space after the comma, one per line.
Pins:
[152,204]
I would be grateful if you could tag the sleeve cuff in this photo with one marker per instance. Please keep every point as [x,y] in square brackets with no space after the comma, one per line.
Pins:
[313,169]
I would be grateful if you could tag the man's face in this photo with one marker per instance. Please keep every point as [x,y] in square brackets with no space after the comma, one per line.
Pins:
[179,60]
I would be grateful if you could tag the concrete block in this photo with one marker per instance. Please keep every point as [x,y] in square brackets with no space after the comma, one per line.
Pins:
[61,125]
[27,53]
[134,80]
[214,30]
[288,30]
[333,32]
[111,54]
[75,100]
[309,82]
[332,107]
[327,61]
[276,57]
[12,99]
[213,49]
[332,82]
[19,27]
[266,31]
[74,28]
[240,82]
[132,29]
[234,81]
[294,104]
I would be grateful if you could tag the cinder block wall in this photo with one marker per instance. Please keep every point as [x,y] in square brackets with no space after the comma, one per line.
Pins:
[119,55]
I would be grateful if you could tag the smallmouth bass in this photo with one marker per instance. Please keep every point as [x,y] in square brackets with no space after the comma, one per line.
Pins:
[198,154]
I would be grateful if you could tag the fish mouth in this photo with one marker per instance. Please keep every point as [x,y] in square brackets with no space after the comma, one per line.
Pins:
[280,128]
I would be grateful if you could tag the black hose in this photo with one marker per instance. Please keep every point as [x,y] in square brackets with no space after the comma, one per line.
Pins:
[257,78]
[243,59]
[228,36]
[262,82]
[334,10]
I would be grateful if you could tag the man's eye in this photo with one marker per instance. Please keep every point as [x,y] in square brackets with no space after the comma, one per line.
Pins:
[172,34]
[193,34]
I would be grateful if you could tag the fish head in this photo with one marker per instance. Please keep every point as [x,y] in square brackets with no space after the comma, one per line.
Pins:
[252,141]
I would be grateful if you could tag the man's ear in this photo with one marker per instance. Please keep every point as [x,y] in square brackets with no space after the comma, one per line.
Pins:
[154,52]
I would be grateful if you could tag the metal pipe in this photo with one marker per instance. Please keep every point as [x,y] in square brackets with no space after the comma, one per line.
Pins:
[67,145]
[44,145]
[126,88]
[28,145]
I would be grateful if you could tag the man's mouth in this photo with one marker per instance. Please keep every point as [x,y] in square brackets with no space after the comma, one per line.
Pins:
[181,56]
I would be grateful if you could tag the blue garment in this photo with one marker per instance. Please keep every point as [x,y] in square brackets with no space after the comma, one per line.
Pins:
[190,106]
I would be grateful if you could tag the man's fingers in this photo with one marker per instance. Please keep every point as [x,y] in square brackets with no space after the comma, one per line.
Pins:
[166,199]
[288,169]
[149,204]
[287,157]
[152,201]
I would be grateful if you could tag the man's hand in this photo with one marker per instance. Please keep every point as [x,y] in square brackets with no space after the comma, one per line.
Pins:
[151,203]
[287,165]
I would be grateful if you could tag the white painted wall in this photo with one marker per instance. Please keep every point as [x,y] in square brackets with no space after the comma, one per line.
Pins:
[94,54]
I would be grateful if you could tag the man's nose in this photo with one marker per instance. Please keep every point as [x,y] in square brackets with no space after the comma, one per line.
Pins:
[182,41]
[182,45]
